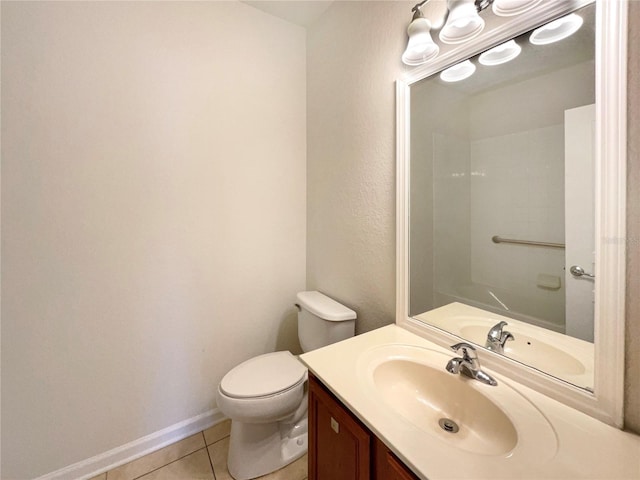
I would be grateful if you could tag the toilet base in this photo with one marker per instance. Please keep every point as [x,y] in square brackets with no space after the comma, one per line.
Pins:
[258,449]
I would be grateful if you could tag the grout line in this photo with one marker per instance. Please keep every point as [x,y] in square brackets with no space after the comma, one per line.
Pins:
[211,462]
[166,464]
[221,438]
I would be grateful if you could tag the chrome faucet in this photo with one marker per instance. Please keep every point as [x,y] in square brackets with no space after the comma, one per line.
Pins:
[497,337]
[468,364]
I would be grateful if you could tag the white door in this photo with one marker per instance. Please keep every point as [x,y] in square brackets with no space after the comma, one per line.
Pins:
[579,138]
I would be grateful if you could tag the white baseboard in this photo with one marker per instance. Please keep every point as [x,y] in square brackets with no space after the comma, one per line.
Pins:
[136,449]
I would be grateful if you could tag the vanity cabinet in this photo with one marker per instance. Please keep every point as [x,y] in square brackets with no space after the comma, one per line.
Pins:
[341,447]
[386,466]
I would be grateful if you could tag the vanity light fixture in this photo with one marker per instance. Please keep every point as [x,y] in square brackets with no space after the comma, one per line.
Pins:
[458,72]
[557,30]
[503,53]
[463,24]
[421,48]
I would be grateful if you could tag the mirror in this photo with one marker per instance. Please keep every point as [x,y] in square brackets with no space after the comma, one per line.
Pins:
[509,197]
[502,197]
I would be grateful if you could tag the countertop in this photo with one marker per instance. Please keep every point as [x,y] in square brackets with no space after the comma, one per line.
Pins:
[585,448]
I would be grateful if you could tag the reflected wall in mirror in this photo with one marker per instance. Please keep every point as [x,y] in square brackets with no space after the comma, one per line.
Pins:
[502,198]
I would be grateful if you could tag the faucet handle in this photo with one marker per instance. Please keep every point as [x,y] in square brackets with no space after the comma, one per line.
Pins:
[468,350]
[496,331]
[506,336]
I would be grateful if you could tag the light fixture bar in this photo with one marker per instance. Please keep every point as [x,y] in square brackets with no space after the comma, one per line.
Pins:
[480,4]
[418,5]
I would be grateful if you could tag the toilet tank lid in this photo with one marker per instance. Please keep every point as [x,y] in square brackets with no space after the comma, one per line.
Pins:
[324,307]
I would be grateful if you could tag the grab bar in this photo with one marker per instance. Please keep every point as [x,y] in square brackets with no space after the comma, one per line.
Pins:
[497,239]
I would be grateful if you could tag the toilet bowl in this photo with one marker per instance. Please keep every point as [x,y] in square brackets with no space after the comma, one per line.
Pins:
[266,399]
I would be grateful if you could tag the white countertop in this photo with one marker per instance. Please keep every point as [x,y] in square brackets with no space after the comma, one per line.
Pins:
[586,447]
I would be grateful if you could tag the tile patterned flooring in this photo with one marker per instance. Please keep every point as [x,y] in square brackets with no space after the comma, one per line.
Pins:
[202,456]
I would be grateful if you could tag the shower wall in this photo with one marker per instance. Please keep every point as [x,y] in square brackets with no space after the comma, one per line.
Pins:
[451,202]
[492,163]
[481,189]
[520,196]
[439,217]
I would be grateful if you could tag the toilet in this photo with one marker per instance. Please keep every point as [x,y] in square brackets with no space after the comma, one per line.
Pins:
[266,399]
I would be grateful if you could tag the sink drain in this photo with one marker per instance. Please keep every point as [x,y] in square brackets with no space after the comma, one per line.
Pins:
[448,425]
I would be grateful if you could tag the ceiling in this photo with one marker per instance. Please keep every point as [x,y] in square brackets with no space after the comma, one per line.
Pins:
[300,12]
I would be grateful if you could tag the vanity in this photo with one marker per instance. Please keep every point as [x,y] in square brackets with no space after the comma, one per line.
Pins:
[374,411]
[510,264]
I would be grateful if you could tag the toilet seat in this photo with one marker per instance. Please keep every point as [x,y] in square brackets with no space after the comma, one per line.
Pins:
[264,376]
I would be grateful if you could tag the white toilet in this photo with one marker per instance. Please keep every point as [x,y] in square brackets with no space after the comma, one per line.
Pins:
[266,399]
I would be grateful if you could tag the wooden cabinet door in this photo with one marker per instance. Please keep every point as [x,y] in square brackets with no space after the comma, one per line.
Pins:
[339,445]
[387,466]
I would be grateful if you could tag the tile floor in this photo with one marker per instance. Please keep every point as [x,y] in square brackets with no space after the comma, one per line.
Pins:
[202,456]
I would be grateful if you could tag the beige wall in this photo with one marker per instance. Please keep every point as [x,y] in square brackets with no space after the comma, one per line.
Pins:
[153,215]
[353,59]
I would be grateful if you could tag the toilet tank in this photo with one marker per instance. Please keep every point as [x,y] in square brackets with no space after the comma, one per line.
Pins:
[322,321]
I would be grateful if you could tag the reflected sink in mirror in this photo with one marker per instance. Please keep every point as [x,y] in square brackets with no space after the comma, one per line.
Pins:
[413,385]
[531,351]
[562,356]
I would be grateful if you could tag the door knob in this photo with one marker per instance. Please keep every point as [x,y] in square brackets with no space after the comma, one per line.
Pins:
[578,271]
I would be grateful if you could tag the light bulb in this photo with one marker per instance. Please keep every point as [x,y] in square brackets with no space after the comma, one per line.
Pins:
[463,22]
[557,30]
[420,47]
[458,72]
[500,54]
[508,8]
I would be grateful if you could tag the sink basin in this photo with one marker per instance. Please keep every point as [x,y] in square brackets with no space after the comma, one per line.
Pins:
[413,385]
[438,402]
